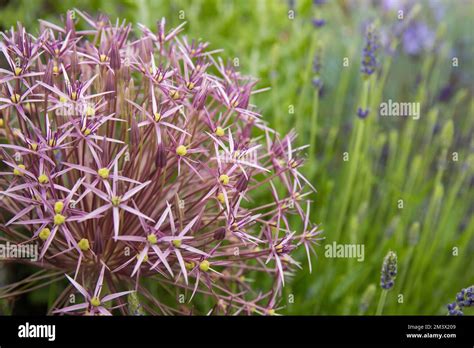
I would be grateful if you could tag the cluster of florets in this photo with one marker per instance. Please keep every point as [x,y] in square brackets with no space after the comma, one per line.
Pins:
[389,271]
[138,162]
[369,57]
[369,63]
[464,298]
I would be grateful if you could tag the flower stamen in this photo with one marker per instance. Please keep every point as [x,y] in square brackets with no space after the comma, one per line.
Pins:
[151,238]
[84,244]
[59,219]
[204,266]
[43,179]
[181,150]
[19,172]
[104,173]
[44,234]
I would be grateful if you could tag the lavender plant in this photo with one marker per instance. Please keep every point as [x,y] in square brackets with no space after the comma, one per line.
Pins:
[415,35]
[368,67]
[366,299]
[387,278]
[132,162]
[464,298]
[318,22]
[389,271]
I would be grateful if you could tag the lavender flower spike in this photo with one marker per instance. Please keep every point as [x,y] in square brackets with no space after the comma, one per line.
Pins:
[369,57]
[389,271]
[368,67]
[464,298]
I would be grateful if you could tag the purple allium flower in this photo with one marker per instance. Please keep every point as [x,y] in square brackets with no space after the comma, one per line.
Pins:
[464,298]
[369,58]
[389,271]
[95,304]
[129,158]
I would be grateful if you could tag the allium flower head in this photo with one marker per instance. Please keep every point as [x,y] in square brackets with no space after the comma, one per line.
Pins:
[132,160]
[389,271]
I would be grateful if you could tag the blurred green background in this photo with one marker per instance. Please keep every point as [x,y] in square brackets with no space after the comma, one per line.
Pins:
[390,159]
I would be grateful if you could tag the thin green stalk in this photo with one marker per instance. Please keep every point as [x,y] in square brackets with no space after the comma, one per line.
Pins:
[383,297]
[305,84]
[313,129]
[354,156]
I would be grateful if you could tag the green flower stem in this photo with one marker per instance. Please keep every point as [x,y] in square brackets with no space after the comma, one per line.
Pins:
[305,85]
[313,129]
[383,297]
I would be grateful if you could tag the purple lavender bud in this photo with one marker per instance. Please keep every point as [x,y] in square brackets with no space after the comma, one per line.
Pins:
[454,309]
[362,113]
[389,271]
[318,22]
[317,62]
[464,298]
[369,58]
